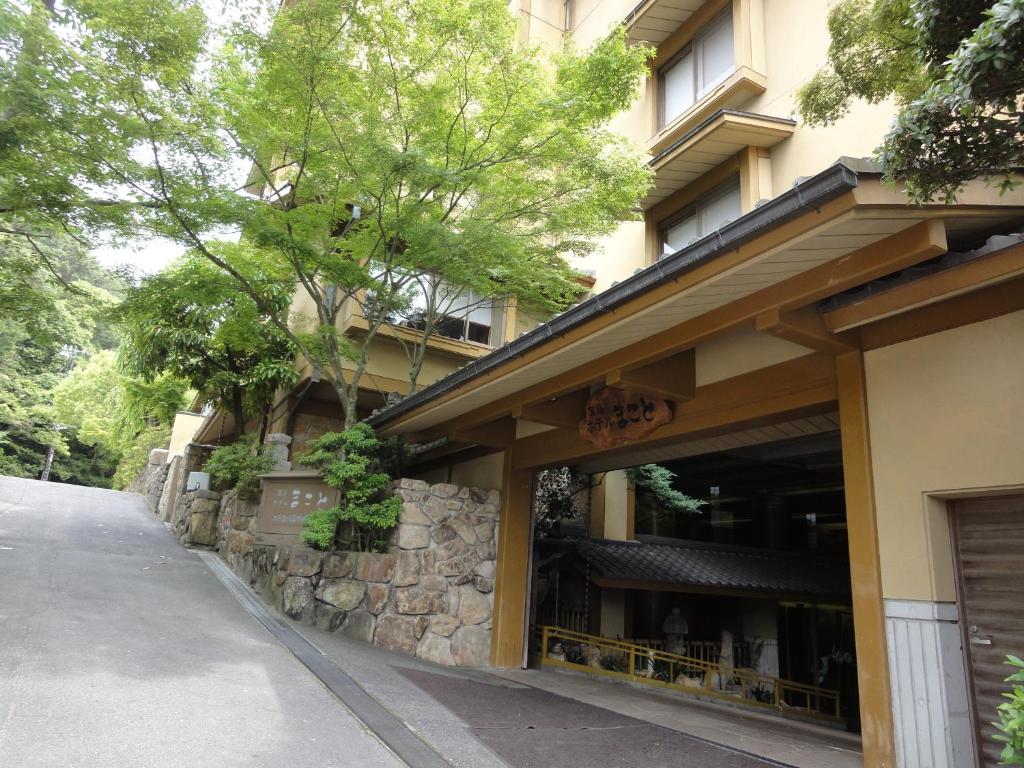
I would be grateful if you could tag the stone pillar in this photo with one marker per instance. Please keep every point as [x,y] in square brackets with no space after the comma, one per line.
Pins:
[277,447]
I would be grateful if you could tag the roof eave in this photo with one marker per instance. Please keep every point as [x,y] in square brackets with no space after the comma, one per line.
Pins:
[810,193]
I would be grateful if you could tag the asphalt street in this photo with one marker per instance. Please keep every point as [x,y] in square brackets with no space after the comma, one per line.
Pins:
[119,648]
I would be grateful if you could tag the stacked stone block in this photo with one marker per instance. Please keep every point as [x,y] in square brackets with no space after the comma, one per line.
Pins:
[195,518]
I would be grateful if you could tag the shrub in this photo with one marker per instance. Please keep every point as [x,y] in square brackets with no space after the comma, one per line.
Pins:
[1011,717]
[352,463]
[238,465]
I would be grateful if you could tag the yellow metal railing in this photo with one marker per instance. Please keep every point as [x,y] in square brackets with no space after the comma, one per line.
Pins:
[640,664]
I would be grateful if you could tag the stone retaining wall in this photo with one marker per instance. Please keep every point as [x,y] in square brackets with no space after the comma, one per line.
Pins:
[431,595]
[150,482]
[195,518]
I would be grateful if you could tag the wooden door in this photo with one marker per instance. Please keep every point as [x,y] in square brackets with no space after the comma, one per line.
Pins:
[989,542]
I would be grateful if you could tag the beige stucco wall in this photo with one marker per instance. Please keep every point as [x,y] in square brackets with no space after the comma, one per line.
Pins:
[184,429]
[945,417]
[786,66]
[485,472]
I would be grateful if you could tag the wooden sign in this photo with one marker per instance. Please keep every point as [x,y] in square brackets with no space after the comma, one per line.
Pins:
[288,498]
[614,416]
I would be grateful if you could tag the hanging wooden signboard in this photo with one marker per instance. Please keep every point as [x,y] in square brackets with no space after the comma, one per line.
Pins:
[614,416]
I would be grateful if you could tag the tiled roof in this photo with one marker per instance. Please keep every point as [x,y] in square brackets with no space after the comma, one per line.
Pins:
[703,565]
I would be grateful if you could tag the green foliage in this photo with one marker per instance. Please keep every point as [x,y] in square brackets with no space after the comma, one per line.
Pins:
[956,70]
[89,398]
[135,453]
[51,320]
[191,322]
[387,140]
[1011,717]
[351,463]
[120,417]
[239,465]
[654,490]
[873,55]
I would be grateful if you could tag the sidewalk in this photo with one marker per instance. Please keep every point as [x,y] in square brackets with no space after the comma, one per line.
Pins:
[803,745]
[475,718]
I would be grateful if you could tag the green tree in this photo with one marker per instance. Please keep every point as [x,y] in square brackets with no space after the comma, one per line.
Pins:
[191,322]
[387,140]
[117,416]
[956,72]
[656,498]
[653,484]
[351,462]
[50,317]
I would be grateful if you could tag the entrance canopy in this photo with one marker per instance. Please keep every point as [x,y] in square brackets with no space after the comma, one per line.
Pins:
[765,273]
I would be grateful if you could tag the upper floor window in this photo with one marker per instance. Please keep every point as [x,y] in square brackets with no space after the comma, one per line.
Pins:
[471,318]
[452,312]
[696,68]
[701,218]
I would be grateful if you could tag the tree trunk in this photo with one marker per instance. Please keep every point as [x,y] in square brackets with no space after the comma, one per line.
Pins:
[236,406]
[351,417]
[47,464]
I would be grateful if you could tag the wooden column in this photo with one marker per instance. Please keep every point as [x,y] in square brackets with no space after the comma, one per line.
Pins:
[865,573]
[512,567]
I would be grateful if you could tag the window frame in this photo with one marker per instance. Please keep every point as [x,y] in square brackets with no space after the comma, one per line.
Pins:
[694,208]
[461,317]
[694,47]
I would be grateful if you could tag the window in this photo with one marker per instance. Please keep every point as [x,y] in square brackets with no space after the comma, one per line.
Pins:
[709,213]
[459,314]
[469,317]
[697,68]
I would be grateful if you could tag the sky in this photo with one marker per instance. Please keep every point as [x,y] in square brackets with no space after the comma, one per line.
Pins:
[149,255]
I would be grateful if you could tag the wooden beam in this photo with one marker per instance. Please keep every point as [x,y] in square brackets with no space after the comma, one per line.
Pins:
[974,307]
[802,386]
[564,411]
[987,270]
[911,246]
[512,567]
[499,433]
[674,378]
[877,734]
[804,327]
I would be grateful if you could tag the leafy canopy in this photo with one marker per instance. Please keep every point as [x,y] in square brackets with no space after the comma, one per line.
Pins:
[191,322]
[59,387]
[385,140]
[120,416]
[956,71]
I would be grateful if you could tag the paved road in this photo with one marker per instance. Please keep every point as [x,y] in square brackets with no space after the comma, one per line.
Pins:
[119,648]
